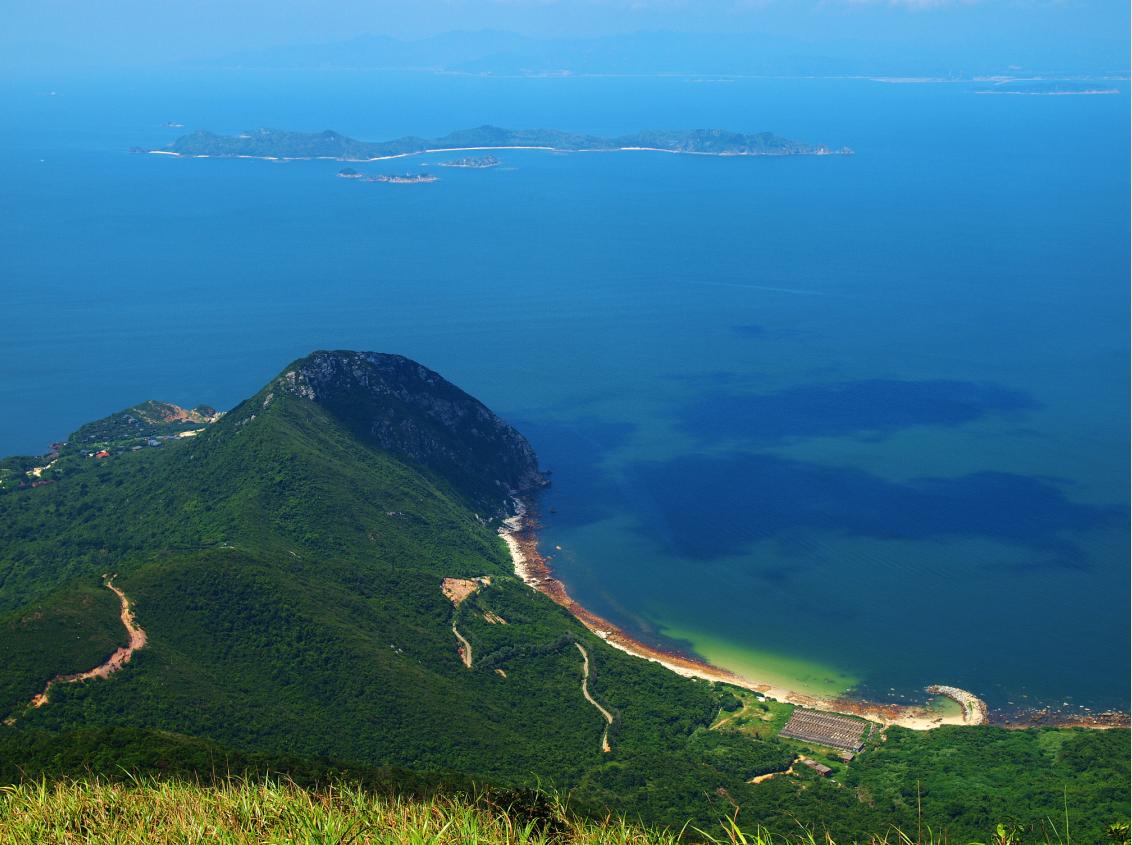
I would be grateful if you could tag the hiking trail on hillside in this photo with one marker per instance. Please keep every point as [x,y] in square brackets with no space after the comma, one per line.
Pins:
[456,590]
[116,661]
[605,714]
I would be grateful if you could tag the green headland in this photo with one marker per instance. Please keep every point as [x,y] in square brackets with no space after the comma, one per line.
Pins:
[290,563]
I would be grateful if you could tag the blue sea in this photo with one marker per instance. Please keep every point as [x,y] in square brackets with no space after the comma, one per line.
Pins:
[848,422]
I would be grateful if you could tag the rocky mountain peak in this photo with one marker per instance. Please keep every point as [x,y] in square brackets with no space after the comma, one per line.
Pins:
[410,411]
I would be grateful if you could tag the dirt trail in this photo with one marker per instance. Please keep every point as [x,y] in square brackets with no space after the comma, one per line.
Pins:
[586,692]
[116,660]
[742,711]
[769,775]
[456,590]
[465,647]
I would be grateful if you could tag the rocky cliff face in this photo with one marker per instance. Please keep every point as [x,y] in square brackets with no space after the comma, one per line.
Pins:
[413,413]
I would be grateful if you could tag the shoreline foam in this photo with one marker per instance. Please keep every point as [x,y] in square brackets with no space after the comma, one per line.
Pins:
[819,152]
[520,533]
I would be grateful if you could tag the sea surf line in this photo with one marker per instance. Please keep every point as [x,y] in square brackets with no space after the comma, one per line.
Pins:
[518,532]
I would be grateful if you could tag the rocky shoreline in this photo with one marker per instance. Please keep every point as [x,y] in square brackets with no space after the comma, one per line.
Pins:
[520,533]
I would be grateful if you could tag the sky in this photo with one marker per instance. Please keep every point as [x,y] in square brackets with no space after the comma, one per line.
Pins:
[116,33]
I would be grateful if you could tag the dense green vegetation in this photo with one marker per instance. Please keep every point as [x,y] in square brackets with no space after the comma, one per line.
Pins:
[122,754]
[67,631]
[328,144]
[958,781]
[286,565]
[240,811]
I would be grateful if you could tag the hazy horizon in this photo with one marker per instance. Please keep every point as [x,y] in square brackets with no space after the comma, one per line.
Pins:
[823,36]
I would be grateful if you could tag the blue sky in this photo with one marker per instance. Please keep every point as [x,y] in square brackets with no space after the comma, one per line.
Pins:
[145,32]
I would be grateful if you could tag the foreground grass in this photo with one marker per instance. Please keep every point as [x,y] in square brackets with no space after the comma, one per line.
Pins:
[243,813]
[240,812]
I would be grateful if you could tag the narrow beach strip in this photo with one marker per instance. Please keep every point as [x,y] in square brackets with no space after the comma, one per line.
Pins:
[431,151]
[520,533]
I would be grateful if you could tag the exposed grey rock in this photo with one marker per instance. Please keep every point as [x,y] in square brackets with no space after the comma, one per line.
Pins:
[412,412]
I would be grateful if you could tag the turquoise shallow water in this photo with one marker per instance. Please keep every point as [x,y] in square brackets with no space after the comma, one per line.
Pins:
[846,421]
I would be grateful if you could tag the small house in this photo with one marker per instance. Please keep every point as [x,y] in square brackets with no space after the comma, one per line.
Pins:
[822,769]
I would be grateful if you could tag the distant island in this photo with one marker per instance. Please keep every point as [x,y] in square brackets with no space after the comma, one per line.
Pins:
[276,144]
[473,163]
[1048,88]
[405,179]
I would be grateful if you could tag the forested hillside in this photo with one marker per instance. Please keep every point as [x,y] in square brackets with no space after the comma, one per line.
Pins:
[285,561]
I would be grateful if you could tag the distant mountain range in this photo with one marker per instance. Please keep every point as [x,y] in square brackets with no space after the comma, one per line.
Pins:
[275,143]
[495,52]
[508,53]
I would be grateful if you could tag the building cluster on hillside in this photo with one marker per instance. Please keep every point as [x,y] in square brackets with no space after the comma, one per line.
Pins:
[152,441]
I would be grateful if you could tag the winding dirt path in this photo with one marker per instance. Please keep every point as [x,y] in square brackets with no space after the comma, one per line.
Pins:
[769,775]
[605,714]
[116,661]
[465,647]
[456,590]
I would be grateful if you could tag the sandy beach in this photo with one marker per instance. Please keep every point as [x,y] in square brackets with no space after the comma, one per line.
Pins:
[819,151]
[520,533]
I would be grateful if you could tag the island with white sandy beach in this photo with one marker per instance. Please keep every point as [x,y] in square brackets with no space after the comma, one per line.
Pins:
[280,145]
